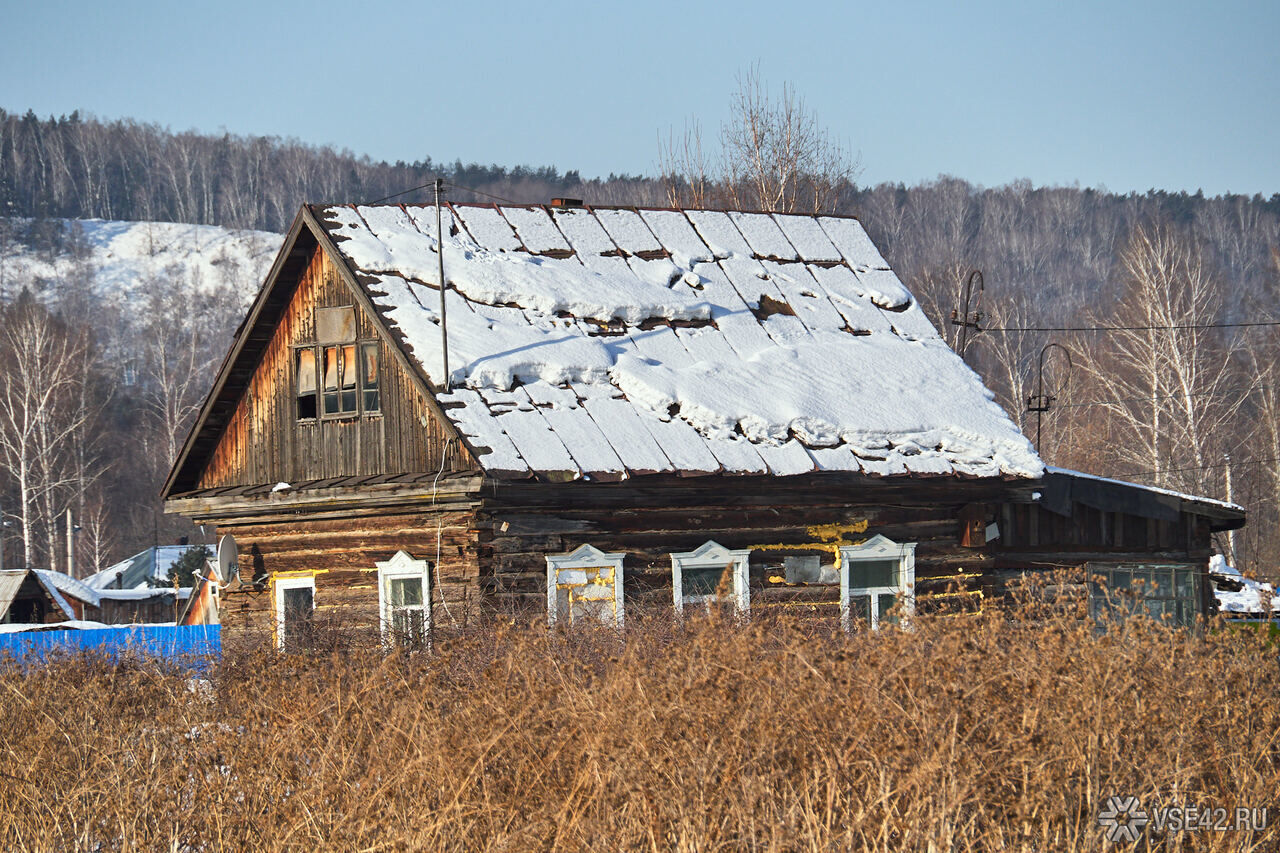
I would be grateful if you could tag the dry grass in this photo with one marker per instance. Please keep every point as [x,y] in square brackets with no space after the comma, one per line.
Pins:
[974,734]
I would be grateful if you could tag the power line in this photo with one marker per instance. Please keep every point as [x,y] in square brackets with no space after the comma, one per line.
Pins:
[430,183]
[486,195]
[1173,328]
[1234,463]
[1222,393]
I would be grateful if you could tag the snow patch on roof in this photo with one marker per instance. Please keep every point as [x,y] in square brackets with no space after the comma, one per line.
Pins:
[662,340]
[69,585]
[1050,469]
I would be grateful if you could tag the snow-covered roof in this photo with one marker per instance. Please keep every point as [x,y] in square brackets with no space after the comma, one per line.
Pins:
[603,343]
[70,586]
[1253,597]
[140,570]
[1182,496]
[143,593]
[52,588]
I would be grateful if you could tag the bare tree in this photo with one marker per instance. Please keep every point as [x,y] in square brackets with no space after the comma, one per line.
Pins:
[1165,381]
[774,155]
[43,416]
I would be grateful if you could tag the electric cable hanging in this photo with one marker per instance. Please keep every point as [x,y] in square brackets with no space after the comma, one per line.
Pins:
[430,183]
[1234,463]
[1173,328]
[485,194]
[443,184]
[1243,391]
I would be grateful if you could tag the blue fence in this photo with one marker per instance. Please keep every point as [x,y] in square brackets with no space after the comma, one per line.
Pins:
[193,646]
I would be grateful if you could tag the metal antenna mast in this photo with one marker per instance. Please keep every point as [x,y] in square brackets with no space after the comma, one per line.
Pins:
[1040,402]
[444,326]
[968,319]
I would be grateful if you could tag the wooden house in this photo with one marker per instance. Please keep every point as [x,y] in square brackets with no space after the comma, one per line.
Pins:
[641,408]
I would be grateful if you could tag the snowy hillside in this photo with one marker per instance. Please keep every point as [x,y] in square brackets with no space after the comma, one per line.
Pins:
[123,255]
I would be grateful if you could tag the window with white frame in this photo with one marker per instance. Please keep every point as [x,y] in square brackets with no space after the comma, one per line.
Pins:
[877,582]
[404,600]
[295,607]
[710,574]
[585,586]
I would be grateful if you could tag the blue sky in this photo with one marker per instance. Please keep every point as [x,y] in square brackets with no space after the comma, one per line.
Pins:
[1173,95]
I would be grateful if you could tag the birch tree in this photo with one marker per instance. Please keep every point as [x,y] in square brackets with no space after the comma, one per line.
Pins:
[774,155]
[1165,381]
[44,415]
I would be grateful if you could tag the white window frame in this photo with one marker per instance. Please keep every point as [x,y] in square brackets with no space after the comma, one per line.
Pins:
[878,548]
[401,566]
[583,557]
[711,555]
[282,584]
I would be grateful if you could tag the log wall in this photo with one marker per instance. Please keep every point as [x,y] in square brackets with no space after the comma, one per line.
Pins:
[493,540]
[341,554]
[776,519]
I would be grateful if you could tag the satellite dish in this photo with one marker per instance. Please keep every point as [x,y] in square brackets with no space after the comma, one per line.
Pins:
[228,558]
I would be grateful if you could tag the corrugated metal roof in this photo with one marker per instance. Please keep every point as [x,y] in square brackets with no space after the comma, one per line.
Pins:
[605,343]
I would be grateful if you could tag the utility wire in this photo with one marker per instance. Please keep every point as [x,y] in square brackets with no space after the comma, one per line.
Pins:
[1226,391]
[1174,328]
[1234,463]
[486,195]
[430,183]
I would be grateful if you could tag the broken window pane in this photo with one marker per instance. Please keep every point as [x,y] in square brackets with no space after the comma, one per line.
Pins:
[370,377]
[306,383]
[331,380]
[350,372]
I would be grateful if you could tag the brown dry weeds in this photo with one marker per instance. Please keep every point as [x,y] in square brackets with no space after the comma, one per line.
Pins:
[972,734]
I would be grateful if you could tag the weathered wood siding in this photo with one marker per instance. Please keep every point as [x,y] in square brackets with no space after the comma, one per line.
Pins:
[342,554]
[265,442]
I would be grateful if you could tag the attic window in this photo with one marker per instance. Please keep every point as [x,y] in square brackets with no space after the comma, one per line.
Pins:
[339,376]
[306,383]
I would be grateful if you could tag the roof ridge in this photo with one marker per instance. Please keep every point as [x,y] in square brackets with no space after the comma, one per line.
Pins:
[593,207]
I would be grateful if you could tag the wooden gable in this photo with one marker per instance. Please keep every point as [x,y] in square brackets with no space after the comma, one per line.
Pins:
[262,438]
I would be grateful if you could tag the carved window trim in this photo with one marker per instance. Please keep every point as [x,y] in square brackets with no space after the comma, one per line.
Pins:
[878,549]
[582,569]
[402,566]
[712,555]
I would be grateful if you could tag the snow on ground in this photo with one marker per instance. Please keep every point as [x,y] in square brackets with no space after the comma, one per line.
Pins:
[1255,597]
[126,255]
